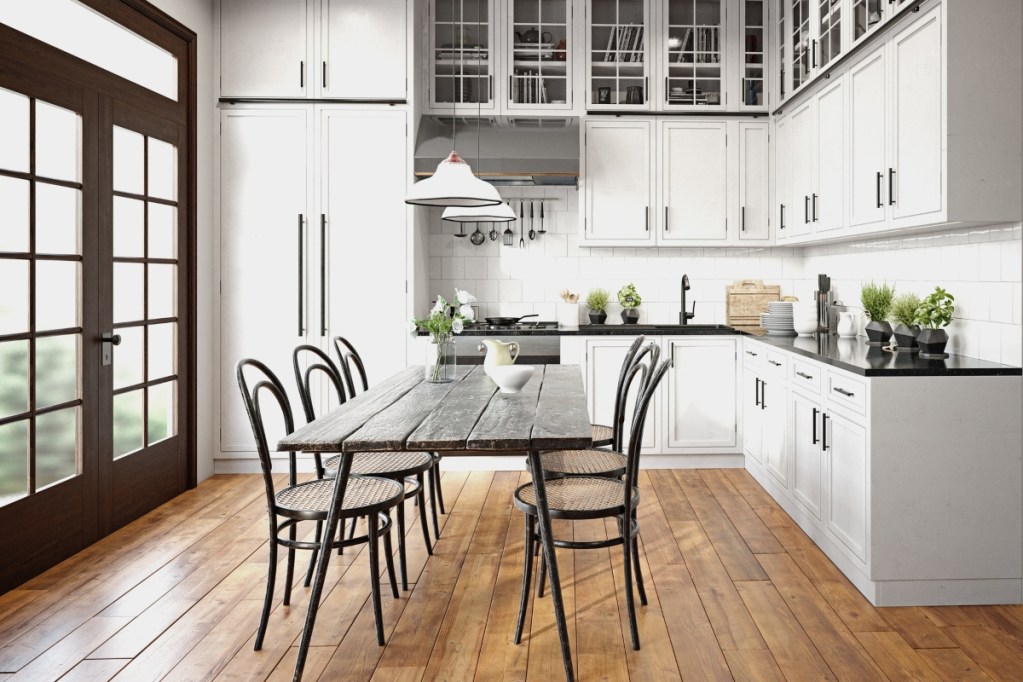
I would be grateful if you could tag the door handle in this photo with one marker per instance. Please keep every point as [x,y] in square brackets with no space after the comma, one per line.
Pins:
[324,75]
[813,54]
[646,219]
[323,274]
[672,354]
[666,220]
[756,392]
[804,375]
[815,439]
[301,274]
[842,391]
[891,186]
[814,208]
[109,340]
[880,176]
[301,74]
[806,209]
[775,363]
[742,218]
[763,394]
[824,431]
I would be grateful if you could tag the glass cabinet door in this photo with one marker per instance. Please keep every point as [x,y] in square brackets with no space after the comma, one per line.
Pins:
[540,56]
[829,28]
[799,28]
[753,20]
[618,35]
[783,86]
[693,53]
[461,59]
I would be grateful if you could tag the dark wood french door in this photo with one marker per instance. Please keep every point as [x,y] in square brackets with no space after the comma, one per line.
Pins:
[97,349]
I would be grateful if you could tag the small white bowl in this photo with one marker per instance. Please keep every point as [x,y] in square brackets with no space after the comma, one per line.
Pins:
[804,326]
[510,378]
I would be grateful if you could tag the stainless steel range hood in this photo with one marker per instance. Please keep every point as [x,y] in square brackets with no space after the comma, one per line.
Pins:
[515,150]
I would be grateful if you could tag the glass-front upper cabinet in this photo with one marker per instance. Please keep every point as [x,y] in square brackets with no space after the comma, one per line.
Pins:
[782,35]
[753,24]
[461,55]
[868,15]
[618,51]
[829,32]
[800,42]
[693,53]
[539,53]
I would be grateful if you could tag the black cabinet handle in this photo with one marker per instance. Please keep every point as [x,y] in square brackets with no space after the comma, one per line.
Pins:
[749,352]
[847,394]
[665,219]
[776,364]
[490,89]
[763,394]
[646,218]
[824,432]
[301,74]
[815,439]
[742,218]
[646,89]
[806,209]
[301,274]
[781,217]
[814,208]
[756,393]
[813,53]
[672,355]
[880,176]
[324,75]
[891,186]
[804,375]
[323,274]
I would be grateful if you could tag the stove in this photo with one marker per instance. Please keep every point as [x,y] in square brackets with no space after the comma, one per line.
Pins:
[518,326]
[534,349]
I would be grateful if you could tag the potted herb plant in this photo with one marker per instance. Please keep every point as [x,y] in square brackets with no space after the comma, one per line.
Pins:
[630,299]
[442,323]
[933,315]
[597,301]
[903,314]
[877,303]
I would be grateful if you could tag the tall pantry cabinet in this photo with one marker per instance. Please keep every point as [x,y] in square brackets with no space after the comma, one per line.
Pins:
[313,232]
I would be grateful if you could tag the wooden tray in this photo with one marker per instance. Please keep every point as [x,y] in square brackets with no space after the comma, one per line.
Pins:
[745,299]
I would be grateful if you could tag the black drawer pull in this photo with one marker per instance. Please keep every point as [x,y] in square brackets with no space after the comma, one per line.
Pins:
[749,352]
[847,394]
[756,392]
[804,375]
[776,364]
[815,438]
[824,432]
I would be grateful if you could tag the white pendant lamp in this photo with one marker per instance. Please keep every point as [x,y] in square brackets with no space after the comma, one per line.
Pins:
[501,213]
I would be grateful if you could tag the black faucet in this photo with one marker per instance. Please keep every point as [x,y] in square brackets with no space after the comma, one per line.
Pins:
[684,315]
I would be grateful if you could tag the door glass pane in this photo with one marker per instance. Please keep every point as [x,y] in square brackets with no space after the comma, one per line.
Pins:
[161,411]
[128,292]
[58,142]
[128,357]
[129,161]
[14,138]
[56,446]
[161,350]
[129,228]
[127,422]
[14,301]
[13,212]
[56,370]
[163,229]
[161,290]
[13,461]
[56,294]
[162,170]
[58,222]
[13,378]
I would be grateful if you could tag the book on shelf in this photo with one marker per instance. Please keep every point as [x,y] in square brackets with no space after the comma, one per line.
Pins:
[608,53]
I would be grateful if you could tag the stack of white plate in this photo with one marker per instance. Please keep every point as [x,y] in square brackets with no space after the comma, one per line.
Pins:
[778,319]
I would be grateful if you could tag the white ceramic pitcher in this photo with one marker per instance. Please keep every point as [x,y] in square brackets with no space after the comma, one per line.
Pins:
[847,324]
[500,352]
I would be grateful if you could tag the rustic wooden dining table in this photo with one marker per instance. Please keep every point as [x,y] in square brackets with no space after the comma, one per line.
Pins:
[468,414]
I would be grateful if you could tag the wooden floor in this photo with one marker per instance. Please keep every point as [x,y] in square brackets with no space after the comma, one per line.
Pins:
[736,591]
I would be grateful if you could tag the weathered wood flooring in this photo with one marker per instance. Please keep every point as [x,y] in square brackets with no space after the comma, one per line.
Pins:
[736,591]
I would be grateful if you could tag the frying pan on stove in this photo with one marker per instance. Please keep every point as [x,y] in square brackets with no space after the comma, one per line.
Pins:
[504,321]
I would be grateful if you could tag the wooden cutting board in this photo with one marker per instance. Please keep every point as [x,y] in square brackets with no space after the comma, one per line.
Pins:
[745,299]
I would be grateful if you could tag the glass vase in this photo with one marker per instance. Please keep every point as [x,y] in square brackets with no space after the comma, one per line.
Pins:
[440,361]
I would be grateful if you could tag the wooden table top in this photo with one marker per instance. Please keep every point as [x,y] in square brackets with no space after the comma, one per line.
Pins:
[407,413]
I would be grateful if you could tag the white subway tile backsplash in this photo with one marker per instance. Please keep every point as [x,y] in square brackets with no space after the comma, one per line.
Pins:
[510,291]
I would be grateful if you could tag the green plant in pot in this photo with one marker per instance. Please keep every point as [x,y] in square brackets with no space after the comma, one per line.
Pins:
[903,314]
[597,301]
[934,314]
[630,299]
[877,303]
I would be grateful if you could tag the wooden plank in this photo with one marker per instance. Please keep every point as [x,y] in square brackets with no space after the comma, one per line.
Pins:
[66,654]
[358,654]
[545,662]
[914,626]
[945,616]
[898,660]
[758,538]
[328,432]
[99,670]
[448,427]
[1000,622]
[562,420]
[658,543]
[753,665]
[315,661]
[994,657]
[211,654]
[953,664]
[391,426]
[601,629]
[507,423]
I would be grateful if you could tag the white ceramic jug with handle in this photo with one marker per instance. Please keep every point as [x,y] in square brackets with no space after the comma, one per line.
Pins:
[499,352]
[847,324]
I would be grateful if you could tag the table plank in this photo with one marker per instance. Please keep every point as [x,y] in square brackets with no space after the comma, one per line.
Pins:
[326,433]
[391,426]
[562,421]
[507,423]
[448,427]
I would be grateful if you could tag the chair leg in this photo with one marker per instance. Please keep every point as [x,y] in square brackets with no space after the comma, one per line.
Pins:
[434,488]
[527,572]
[389,560]
[374,574]
[630,600]
[290,574]
[312,561]
[542,577]
[639,572]
[271,577]
[421,503]
[436,479]
[402,565]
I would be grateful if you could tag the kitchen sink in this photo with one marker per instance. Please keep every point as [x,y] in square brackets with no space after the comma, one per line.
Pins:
[670,328]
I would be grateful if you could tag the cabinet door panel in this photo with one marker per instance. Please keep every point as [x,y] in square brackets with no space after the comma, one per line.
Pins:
[805,416]
[618,183]
[754,165]
[701,394]
[867,133]
[603,365]
[828,211]
[365,240]
[694,177]
[846,453]
[774,404]
[362,49]
[800,169]
[264,47]
[263,199]
[782,178]
[752,416]
[916,94]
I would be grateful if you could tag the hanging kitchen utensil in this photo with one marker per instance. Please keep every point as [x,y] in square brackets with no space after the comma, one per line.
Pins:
[522,220]
[477,237]
[509,237]
[461,231]
[532,232]
[542,230]
[493,233]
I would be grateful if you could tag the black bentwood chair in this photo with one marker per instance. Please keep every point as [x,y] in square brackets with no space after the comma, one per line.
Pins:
[364,496]
[406,468]
[604,435]
[597,497]
[350,357]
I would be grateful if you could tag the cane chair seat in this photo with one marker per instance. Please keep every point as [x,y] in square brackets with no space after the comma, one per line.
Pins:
[578,497]
[363,495]
[591,462]
[382,463]
[602,435]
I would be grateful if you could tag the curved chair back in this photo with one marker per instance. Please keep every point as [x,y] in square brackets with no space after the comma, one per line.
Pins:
[653,350]
[264,382]
[650,374]
[627,363]
[319,362]
[349,356]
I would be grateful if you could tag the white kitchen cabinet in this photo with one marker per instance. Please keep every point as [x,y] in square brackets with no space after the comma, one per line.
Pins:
[773,407]
[754,190]
[321,49]
[694,180]
[752,415]
[783,176]
[702,387]
[868,133]
[461,56]
[619,53]
[827,204]
[617,173]
[807,456]
[541,71]
[844,443]
[694,66]
[753,23]
[604,356]
[801,169]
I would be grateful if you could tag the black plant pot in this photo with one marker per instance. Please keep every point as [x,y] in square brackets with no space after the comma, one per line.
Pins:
[905,337]
[932,344]
[878,333]
[597,317]
[630,316]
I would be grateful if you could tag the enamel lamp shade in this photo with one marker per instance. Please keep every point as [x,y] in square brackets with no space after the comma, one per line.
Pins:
[501,213]
[453,184]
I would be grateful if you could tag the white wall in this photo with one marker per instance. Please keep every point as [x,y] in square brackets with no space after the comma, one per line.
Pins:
[198,16]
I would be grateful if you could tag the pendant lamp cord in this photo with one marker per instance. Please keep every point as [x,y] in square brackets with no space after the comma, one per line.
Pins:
[479,90]
[458,56]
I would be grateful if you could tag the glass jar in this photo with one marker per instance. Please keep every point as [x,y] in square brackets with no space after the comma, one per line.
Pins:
[439,366]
